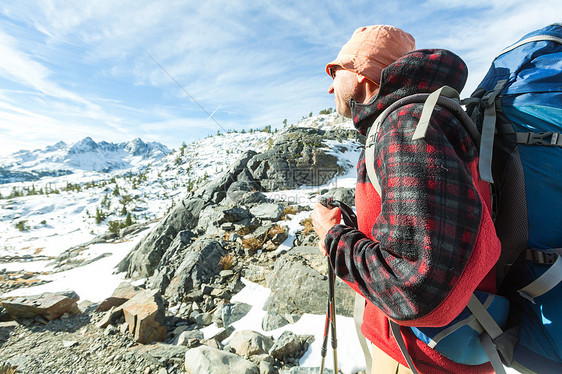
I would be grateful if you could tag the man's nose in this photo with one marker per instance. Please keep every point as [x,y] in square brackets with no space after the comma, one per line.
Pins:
[331,89]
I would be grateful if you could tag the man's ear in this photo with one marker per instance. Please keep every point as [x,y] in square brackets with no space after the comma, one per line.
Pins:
[361,78]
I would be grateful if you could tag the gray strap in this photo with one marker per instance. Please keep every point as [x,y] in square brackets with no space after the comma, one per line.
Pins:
[488,130]
[370,156]
[358,310]
[545,282]
[470,320]
[395,328]
[492,353]
[485,319]
[492,331]
[537,38]
[429,106]
[539,138]
[446,91]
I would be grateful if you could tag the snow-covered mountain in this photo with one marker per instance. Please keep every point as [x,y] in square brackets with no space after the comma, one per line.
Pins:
[84,155]
[64,205]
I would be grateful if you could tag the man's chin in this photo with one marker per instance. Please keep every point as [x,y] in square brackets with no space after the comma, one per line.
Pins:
[346,112]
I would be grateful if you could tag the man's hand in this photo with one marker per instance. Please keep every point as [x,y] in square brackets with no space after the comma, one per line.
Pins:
[323,219]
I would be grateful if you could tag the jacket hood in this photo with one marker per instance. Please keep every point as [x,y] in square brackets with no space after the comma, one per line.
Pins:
[420,71]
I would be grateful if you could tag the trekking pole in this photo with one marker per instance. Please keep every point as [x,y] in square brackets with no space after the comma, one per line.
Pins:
[325,339]
[349,219]
[332,279]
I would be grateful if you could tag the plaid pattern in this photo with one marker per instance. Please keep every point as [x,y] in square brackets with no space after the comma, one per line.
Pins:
[430,210]
[420,71]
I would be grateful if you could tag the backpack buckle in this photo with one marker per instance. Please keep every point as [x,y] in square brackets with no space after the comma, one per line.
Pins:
[540,257]
[489,98]
[541,138]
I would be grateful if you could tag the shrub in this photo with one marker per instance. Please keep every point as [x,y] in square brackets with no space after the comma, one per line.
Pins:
[114,227]
[308,227]
[252,243]
[277,229]
[226,261]
[244,231]
[288,210]
[22,225]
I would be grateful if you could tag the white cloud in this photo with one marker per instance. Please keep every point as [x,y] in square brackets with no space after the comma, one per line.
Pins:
[89,62]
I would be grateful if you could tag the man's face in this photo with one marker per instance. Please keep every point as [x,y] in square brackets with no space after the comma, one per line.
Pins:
[344,87]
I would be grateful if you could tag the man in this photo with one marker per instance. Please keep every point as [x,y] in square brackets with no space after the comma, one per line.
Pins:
[428,241]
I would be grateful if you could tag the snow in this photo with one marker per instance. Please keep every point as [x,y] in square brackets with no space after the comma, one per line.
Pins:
[350,356]
[94,282]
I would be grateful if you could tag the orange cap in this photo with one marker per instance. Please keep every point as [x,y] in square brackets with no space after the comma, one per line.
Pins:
[373,48]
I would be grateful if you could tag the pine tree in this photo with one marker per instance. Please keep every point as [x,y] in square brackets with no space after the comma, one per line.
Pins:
[128,220]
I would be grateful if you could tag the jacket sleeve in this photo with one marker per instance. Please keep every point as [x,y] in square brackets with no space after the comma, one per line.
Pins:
[429,220]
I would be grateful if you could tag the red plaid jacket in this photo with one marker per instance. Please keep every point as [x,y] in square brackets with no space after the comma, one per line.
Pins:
[424,246]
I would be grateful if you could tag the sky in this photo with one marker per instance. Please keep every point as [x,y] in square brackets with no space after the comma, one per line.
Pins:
[116,70]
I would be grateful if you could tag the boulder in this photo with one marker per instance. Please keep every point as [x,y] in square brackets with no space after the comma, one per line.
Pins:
[297,158]
[231,313]
[190,338]
[207,360]
[345,195]
[215,191]
[145,315]
[200,262]
[269,211]
[249,343]
[287,345]
[307,290]
[145,256]
[111,317]
[124,292]
[213,217]
[49,305]
[273,321]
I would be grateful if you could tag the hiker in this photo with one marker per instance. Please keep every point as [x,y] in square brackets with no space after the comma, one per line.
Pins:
[428,237]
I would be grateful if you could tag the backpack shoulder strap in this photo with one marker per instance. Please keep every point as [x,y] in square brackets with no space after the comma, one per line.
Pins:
[445,97]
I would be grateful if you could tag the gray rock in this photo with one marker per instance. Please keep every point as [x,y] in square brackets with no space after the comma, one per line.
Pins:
[199,264]
[266,367]
[296,159]
[215,191]
[212,217]
[145,256]
[307,292]
[249,343]
[272,321]
[270,211]
[234,312]
[206,360]
[204,319]
[288,345]
[185,337]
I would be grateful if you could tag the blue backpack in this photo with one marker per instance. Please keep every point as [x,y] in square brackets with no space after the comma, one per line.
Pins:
[515,118]
[518,110]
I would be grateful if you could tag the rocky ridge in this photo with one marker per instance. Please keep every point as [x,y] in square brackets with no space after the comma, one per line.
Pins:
[186,271]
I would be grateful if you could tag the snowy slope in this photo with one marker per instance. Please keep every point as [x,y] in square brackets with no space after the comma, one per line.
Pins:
[143,179]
